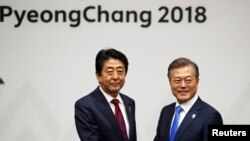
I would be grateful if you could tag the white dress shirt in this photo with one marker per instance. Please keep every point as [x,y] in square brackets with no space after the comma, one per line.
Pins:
[109,98]
[186,107]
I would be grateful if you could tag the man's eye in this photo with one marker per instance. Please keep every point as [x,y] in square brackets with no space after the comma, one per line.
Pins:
[120,71]
[177,81]
[109,72]
[188,81]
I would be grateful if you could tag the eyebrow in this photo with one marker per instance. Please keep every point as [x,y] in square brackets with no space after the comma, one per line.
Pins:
[184,77]
[119,67]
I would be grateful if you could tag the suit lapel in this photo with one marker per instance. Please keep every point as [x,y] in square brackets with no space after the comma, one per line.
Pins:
[169,115]
[105,109]
[189,118]
[129,113]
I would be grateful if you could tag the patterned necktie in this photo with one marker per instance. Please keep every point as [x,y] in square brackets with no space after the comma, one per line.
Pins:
[175,122]
[120,119]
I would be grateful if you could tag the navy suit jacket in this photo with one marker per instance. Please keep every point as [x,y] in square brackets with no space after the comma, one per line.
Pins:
[194,125]
[95,120]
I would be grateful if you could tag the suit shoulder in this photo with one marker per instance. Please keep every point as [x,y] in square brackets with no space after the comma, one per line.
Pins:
[212,114]
[85,100]
[209,107]
[168,107]
[211,111]
[127,97]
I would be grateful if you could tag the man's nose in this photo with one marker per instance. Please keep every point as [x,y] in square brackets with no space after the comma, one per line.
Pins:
[183,84]
[115,75]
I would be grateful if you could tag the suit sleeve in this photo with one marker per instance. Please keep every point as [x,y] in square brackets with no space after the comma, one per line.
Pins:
[134,135]
[157,136]
[86,126]
[215,119]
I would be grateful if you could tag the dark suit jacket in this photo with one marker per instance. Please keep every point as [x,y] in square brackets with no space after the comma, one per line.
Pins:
[190,129]
[95,120]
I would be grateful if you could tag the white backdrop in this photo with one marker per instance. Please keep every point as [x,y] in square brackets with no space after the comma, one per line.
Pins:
[48,66]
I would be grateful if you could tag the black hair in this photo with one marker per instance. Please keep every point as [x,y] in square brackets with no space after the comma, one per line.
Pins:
[106,54]
[182,62]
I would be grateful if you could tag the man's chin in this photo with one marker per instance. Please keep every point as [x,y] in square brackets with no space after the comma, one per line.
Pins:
[182,99]
[115,89]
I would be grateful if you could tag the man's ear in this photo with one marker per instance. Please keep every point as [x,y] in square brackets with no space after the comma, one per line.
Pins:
[98,77]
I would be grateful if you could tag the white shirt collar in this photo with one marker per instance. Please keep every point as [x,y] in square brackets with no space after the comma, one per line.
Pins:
[109,98]
[187,105]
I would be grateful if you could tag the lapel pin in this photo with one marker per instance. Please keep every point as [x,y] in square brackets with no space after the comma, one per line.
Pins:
[193,116]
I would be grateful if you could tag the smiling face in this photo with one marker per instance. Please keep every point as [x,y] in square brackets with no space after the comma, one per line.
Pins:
[112,76]
[183,83]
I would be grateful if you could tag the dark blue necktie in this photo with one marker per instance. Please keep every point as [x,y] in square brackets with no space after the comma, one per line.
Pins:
[174,128]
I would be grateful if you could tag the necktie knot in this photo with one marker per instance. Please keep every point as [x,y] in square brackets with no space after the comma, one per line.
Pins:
[178,109]
[115,102]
